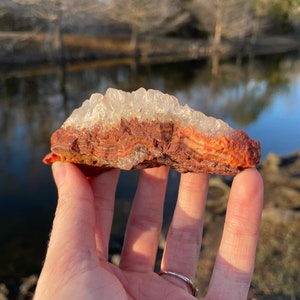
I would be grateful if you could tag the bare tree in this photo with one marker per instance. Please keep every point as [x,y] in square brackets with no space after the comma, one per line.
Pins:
[59,15]
[231,19]
[222,19]
[144,16]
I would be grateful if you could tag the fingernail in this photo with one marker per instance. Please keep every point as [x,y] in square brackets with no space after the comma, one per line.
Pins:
[59,172]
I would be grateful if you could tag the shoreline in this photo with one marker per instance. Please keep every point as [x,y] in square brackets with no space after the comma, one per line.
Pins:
[18,48]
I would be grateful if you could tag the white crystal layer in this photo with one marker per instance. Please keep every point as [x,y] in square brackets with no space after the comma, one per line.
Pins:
[145,105]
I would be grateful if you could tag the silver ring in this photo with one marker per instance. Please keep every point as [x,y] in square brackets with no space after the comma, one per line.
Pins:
[188,281]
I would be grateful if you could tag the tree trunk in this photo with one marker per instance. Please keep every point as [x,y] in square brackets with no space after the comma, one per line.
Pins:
[217,39]
[58,44]
[218,26]
[134,41]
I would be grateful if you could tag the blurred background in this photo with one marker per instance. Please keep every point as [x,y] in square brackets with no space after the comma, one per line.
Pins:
[232,59]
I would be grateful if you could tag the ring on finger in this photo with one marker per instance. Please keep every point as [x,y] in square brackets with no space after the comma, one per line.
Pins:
[189,282]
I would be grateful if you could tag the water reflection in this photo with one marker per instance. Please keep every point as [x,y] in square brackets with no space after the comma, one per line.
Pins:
[261,97]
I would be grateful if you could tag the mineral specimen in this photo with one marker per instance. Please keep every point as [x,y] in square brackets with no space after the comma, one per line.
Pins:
[147,128]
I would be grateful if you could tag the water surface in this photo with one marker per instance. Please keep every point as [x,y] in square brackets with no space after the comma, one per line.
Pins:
[261,97]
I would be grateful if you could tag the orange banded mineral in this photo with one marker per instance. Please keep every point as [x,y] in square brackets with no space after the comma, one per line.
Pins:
[146,129]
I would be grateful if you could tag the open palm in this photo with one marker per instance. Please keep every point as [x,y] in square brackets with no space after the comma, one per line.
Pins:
[77,267]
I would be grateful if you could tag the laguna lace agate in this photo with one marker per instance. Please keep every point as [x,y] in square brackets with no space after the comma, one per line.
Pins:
[147,128]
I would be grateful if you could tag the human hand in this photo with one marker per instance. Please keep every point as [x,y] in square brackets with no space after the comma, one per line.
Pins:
[77,267]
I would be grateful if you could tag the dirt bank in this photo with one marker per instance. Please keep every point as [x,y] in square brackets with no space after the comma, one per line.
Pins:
[277,266]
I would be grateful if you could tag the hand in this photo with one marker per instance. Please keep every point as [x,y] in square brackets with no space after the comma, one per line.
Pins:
[77,267]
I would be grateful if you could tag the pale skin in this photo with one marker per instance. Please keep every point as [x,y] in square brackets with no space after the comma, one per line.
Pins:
[76,264]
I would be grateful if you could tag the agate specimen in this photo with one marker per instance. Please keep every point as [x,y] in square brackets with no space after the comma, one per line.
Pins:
[147,128]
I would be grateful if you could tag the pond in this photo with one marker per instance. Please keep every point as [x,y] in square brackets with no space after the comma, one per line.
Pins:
[259,96]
